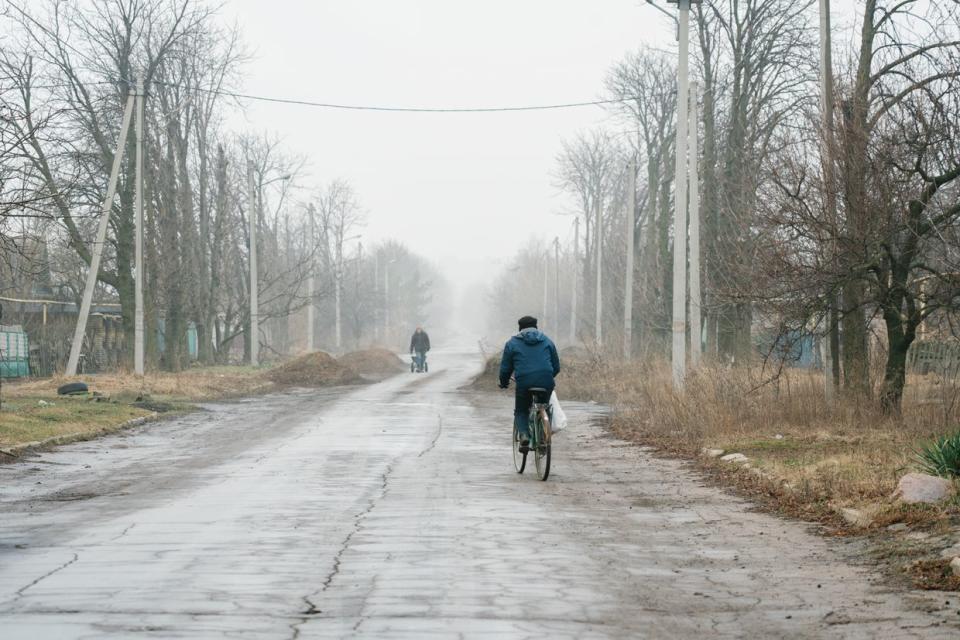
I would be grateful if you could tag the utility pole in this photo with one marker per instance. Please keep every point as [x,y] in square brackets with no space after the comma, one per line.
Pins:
[376,295]
[678,353]
[546,287]
[831,364]
[138,364]
[556,284]
[598,231]
[253,216]
[386,300]
[575,280]
[337,285]
[628,279]
[91,283]
[356,284]
[311,284]
[695,300]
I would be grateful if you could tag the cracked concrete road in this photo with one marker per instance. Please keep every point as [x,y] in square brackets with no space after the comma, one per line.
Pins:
[392,511]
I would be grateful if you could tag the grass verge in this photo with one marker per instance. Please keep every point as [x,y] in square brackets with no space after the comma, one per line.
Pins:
[32,412]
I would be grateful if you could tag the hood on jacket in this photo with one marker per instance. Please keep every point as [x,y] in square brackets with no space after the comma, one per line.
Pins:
[531,335]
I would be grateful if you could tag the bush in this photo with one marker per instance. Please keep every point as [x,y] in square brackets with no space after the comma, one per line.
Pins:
[941,457]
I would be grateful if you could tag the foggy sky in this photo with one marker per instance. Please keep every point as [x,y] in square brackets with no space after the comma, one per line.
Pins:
[465,190]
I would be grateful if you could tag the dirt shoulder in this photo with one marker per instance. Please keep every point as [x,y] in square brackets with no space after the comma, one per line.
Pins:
[33,415]
[836,465]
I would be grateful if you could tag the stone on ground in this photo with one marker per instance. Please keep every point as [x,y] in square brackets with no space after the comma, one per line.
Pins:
[735,458]
[955,566]
[920,487]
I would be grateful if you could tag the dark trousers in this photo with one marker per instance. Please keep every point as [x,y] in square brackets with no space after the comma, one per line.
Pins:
[521,408]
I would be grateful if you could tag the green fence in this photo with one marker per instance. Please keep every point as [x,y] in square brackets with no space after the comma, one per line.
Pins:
[14,353]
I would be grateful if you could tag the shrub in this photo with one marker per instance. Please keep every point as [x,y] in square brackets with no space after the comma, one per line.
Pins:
[941,457]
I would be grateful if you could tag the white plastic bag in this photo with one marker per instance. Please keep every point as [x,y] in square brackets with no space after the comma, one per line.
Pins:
[559,418]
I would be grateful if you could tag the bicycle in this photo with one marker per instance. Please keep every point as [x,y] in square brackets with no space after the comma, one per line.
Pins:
[539,422]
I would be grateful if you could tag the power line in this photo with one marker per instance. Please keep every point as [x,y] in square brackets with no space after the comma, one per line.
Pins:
[331,105]
[356,107]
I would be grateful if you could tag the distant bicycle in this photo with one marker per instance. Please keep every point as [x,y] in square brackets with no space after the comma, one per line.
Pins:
[539,435]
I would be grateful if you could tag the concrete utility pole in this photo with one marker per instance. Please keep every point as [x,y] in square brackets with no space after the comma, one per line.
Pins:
[598,231]
[546,287]
[575,279]
[680,200]
[91,283]
[311,284]
[695,299]
[253,215]
[556,284]
[831,361]
[138,359]
[337,286]
[628,279]
[386,299]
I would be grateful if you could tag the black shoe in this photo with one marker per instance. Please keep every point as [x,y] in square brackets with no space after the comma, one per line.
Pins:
[524,444]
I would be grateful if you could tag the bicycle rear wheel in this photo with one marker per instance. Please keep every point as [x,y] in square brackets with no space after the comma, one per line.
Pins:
[519,458]
[541,456]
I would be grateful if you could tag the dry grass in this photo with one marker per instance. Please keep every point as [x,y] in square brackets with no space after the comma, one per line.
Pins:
[191,385]
[807,458]
[840,454]
[32,411]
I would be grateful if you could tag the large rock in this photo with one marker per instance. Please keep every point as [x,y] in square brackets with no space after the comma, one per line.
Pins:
[920,487]
[857,517]
[735,458]
[955,566]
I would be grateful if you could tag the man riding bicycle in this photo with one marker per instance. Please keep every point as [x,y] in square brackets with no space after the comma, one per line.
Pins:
[533,360]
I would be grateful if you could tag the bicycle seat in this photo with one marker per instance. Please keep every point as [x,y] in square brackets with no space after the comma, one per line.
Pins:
[537,390]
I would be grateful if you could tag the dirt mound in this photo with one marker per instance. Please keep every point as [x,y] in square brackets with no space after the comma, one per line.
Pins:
[317,369]
[373,362]
[489,377]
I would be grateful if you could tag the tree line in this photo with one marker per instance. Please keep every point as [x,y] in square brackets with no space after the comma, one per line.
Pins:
[844,227]
[66,71]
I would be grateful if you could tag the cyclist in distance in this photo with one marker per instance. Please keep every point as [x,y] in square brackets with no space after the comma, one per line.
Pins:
[419,345]
[531,357]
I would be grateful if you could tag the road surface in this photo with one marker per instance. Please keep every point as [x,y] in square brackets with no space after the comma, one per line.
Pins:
[392,511]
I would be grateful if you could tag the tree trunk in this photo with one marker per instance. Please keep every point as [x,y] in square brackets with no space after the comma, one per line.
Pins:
[856,369]
[895,372]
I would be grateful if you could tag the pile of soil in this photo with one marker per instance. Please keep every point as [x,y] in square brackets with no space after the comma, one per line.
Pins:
[376,362]
[317,369]
[488,378]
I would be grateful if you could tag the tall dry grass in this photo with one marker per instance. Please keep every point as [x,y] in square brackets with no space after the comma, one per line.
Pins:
[835,453]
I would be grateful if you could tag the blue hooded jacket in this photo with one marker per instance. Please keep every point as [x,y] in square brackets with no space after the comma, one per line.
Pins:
[532,357]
